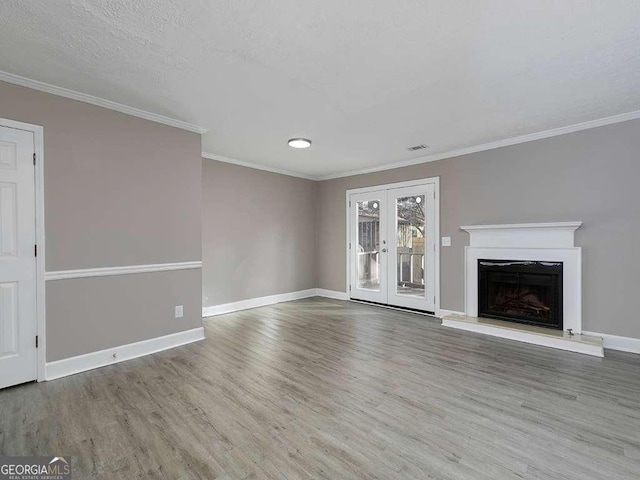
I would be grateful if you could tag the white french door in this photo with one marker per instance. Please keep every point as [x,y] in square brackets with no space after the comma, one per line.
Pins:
[392,246]
[368,248]
[18,354]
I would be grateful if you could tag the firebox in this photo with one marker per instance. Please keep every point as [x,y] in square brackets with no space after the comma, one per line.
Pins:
[521,291]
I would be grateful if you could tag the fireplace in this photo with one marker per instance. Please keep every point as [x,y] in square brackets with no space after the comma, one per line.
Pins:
[519,291]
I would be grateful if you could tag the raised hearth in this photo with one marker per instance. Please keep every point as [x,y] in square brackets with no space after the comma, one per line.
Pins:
[546,337]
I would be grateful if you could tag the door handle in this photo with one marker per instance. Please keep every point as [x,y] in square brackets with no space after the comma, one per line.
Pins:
[384,250]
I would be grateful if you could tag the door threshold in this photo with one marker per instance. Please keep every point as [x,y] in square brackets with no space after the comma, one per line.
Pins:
[394,307]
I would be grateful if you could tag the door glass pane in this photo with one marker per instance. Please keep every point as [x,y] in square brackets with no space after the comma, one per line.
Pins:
[410,243]
[368,247]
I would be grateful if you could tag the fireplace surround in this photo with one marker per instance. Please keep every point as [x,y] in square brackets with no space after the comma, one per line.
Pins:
[514,254]
[530,242]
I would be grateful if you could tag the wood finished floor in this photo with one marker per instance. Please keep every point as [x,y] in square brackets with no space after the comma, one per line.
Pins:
[320,388]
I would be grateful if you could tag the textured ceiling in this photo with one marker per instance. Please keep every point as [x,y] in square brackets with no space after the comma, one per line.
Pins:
[364,80]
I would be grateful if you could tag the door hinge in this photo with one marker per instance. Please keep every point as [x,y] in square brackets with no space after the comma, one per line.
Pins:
[36,341]
[35,250]
[34,159]
[349,245]
[349,287]
[349,203]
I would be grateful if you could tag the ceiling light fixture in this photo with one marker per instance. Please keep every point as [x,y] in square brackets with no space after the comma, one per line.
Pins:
[299,142]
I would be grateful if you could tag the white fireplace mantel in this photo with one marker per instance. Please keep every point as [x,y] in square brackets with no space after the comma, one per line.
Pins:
[524,235]
[528,241]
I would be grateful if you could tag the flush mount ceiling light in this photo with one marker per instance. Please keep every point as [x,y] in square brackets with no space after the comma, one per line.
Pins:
[299,142]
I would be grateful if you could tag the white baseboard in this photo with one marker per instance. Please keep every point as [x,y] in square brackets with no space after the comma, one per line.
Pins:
[615,342]
[89,361]
[256,302]
[271,300]
[321,292]
[443,313]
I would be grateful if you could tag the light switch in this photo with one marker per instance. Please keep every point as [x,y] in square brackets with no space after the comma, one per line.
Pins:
[446,241]
[179,311]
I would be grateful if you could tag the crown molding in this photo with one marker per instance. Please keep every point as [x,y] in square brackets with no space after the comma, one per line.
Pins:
[601,122]
[136,112]
[100,102]
[256,166]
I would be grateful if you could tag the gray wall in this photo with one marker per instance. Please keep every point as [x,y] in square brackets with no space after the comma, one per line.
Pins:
[259,233]
[89,314]
[119,190]
[590,176]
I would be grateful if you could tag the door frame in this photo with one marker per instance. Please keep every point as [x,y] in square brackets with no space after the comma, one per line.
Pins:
[38,145]
[411,183]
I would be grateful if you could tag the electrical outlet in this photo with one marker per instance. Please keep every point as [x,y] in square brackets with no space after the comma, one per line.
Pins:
[179,311]
[446,241]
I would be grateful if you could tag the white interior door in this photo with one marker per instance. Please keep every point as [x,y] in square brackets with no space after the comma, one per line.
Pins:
[18,354]
[392,246]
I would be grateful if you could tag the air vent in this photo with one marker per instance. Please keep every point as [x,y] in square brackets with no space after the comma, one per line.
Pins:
[422,146]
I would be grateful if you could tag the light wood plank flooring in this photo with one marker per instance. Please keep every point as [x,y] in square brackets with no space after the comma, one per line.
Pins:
[320,388]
